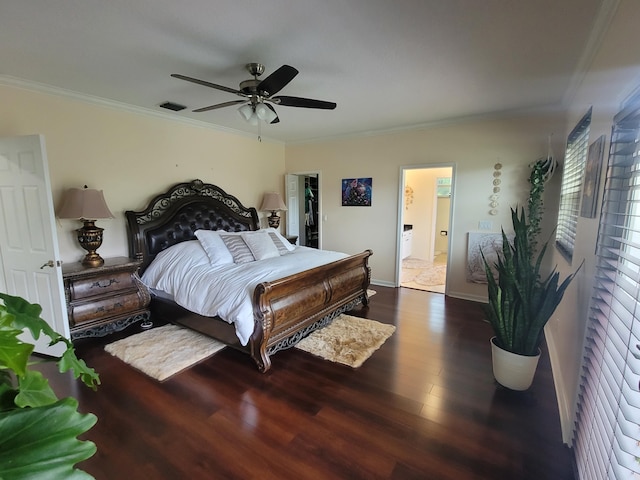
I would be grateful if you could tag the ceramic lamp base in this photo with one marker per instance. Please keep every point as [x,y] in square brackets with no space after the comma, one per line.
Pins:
[274,220]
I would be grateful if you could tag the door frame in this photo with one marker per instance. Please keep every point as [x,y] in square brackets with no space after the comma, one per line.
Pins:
[400,216]
[318,174]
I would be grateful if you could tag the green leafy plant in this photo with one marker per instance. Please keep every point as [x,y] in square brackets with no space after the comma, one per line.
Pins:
[38,432]
[520,301]
[535,204]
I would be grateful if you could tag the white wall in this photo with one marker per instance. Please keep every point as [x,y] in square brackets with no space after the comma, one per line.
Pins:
[132,157]
[442,225]
[473,147]
[611,77]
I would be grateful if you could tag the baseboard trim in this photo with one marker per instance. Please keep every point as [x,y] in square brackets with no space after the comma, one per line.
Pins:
[564,405]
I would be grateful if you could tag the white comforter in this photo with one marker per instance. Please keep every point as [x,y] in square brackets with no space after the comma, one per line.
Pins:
[225,290]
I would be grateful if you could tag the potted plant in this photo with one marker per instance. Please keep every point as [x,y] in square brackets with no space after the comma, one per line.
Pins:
[521,302]
[38,432]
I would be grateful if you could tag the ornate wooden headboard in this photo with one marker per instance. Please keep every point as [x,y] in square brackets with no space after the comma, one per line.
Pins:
[174,216]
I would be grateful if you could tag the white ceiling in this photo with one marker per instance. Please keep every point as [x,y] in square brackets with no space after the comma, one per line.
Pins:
[387,64]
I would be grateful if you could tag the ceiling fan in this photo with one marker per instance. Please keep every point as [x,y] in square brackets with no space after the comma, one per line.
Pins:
[258,94]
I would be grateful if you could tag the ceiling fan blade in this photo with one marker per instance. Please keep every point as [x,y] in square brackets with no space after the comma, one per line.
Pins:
[219,105]
[277,80]
[275,120]
[208,84]
[303,102]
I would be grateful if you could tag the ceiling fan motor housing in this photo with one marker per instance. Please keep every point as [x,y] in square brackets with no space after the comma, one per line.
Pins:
[255,69]
[250,87]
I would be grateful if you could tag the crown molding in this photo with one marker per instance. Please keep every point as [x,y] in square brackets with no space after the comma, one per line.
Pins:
[14,82]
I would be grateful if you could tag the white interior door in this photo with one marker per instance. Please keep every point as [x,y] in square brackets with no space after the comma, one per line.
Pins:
[293,206]
[29,259]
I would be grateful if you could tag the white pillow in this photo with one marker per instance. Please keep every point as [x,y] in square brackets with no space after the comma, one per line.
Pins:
[170,264]
[279,240]
[260,244]
[216,249]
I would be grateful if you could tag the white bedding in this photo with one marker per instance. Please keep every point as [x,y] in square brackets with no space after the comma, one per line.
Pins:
[185,273]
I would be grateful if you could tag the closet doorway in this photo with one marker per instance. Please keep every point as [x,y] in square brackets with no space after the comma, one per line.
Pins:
[303,208]
[424,227]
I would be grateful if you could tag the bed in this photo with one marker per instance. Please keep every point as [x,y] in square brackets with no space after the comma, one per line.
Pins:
[285,310]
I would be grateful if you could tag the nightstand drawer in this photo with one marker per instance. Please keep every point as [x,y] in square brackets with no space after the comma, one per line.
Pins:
[106,307]
[105,299]
[103,285]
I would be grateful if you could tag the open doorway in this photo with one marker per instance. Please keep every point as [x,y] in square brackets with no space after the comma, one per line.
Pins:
[424,227]
[303,225]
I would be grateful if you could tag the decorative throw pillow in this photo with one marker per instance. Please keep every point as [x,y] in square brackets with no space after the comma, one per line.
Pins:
[217,251]
[281,242]
[237,247]
[260,244]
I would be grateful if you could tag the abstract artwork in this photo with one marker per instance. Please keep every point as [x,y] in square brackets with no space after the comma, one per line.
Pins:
[491,244]
[356,192]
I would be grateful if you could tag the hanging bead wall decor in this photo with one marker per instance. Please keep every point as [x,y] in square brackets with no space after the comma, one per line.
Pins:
[493,199]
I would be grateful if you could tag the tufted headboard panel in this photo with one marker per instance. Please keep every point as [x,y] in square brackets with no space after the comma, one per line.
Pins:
[174,216]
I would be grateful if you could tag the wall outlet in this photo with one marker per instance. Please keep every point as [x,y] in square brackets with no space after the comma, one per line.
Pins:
[485,225]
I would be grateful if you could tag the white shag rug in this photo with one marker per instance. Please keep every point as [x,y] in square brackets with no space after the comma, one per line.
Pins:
[164,351]
[348,340]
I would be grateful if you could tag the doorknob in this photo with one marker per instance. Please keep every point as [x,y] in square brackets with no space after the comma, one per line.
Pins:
[48,264]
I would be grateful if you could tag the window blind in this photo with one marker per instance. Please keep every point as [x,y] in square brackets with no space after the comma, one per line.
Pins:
[607,423]
[574,164]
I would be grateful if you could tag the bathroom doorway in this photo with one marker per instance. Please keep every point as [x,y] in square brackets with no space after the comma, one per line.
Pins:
[424,227]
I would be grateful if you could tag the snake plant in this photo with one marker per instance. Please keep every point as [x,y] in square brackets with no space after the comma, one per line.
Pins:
[520,301]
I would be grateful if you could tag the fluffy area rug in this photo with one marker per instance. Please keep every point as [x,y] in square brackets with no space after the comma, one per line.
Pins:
[348,340]
[164,351]
[423,272]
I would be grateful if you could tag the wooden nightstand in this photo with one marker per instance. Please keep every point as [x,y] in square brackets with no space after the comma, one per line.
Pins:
[292,239]
[104,299]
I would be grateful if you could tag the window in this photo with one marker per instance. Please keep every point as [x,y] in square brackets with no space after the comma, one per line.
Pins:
[574,163]
[607,430]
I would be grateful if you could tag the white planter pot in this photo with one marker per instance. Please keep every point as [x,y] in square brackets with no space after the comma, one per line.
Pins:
[511,370]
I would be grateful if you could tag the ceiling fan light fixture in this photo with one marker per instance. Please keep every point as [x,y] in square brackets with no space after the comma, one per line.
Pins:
[265,113]
[246,112]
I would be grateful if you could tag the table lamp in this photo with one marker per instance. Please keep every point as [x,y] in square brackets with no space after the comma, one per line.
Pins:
[272,202]
[88,205]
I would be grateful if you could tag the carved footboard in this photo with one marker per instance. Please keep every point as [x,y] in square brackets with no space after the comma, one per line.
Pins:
[288,309]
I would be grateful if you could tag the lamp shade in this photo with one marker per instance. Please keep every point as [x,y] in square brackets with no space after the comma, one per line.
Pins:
[272,202]
[246,111]
[265,113]
[84,203]
[252,113]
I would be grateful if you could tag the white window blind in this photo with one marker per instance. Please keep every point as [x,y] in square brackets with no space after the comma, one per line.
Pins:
[574,164]
[607,426]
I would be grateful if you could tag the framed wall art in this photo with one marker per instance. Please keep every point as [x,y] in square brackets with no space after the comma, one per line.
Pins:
[491,245]
[592,178]
[356,192]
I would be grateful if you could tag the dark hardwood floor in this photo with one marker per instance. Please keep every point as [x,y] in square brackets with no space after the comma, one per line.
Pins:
[424,406]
